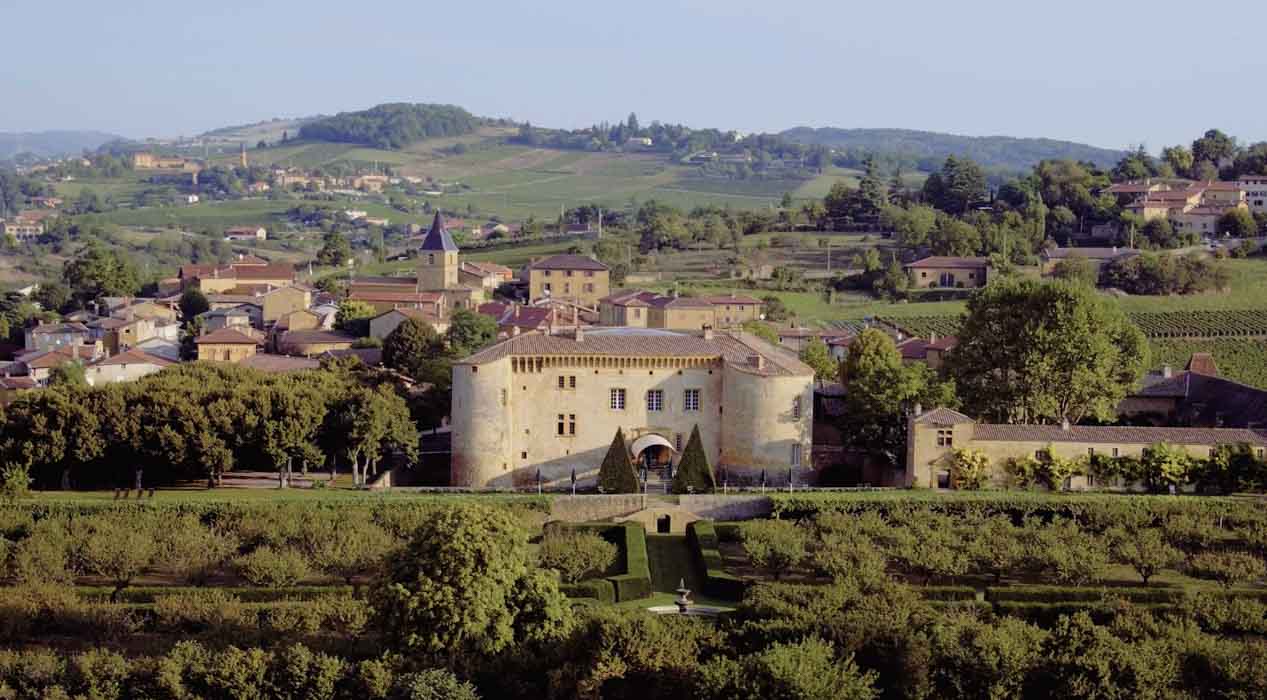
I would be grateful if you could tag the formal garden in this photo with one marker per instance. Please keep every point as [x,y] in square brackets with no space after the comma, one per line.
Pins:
[855,595]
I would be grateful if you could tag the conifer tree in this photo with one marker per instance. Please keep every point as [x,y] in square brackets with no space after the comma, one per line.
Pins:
[694,473]
[617,474]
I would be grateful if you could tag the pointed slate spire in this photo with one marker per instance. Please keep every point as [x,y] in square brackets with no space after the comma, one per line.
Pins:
[438,238]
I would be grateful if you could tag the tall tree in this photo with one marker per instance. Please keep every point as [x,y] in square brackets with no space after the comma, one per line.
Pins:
[959,185]
[1043,352]
[880,391]
[192,303]
[97,272]
[411,347]
[1213,148]
[470,331]
[1179,158]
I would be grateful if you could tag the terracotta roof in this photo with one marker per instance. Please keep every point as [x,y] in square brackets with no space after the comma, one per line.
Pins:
[135,356]
[945,342]
[438,238]
[17,383]
[629,297]
[315,336]
[51,328]
[1203,363]
[1129,187]
[265,272]
[947,262]
[410,297]
[49,359]
[529,317]
[1221,186]
[735,348]
[732,299]
[1122,434]
[265,362]
[681,302]
[233,299]
[913,349]
[225,336]
[943,416]
[567,262]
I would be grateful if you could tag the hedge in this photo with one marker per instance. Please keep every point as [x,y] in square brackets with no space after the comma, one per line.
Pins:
[147,594]
[599,589]
[702,536]
[636,581]
[631,539]
[947,593]
[1134,594]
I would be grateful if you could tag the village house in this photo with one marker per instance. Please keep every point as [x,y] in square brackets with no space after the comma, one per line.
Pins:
[637,308]
[39,364]
[123,367]
[280,301]
[226,345]
[1255,187]
[549,404]
[933,436]
[298,320]
[48,336]
[280,364]
[247,274]
[383,324]
[949,272]
[312,343]
[246,233]
[795,339]
[24,227]
[513,319]
[236,317]
[1196,396]
[145,160]
[576,278]
[489,276]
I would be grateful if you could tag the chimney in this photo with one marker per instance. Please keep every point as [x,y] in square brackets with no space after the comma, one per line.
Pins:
[514,331]
[919,410]
[554,318]
[708,334]
[580,334]
[932,337]
[1167,372]
[1064,424]
[516,306]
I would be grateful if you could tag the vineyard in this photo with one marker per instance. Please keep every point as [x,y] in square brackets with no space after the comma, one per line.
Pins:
[1163,324]
[1240,360]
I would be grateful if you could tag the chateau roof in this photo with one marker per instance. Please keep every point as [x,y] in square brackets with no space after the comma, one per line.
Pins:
[1121,434]
[438,238]
[734,348]
[135,356]
[265,362]
[943,416]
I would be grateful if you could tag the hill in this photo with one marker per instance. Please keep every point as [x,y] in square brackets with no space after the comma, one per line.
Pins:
[392,126]
[927,149]
[270,131]
[52,144]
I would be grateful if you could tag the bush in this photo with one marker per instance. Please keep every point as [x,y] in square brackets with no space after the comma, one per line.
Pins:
[43,557]
[576,555]
[272,568]
[601,590]
[969,469]
[774,545]
[203,611]
[191,551]
[1228,568]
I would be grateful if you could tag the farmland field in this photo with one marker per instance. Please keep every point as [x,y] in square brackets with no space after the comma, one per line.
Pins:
[1241,360]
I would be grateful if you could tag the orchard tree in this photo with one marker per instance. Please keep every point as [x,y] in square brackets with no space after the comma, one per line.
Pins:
[1145,550]
[1042,352]
[774,545]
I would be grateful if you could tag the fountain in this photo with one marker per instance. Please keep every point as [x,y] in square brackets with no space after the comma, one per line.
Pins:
[683,600]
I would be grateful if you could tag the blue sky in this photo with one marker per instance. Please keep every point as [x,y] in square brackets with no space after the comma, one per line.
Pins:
[1110,72]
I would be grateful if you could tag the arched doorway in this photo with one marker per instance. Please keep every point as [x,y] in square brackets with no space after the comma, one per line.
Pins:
[653,455]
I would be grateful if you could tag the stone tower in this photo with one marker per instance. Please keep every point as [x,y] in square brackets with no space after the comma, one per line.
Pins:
[438,259]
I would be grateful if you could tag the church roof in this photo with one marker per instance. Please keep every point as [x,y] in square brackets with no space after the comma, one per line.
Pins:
[438,237]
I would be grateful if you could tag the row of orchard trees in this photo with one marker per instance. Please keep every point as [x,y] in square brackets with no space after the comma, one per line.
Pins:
[1228,469]
[198,421]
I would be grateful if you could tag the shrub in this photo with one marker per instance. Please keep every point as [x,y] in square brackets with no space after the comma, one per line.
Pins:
[576,555]
[617,475]
[969,469]
[1228,568]
[272,568]
[694,473]
[44,556]
[600,589]
[774,545]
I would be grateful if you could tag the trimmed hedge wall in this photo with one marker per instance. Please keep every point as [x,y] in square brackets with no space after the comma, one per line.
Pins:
[147,594]
[599,589]
[631,539]
[1089,594]
[947,593]
[702,536]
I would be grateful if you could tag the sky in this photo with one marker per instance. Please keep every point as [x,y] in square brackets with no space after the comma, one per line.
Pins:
[1112,73]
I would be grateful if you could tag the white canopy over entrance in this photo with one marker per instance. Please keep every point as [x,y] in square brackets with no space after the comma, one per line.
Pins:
[649,440]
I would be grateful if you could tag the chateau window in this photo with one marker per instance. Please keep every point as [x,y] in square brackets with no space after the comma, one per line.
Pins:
[1115,453]
[567,287]
[677,441]
[571,424]
[562,381]
[796,408]
[431,259]
[589,287]
[796,455]
[504,396]
[572,381]
[547,273]
[637,313]
[562,424]
[655,400]
[617,400]
[690,400]
[945,437]
[589,273]
[546,286]
[568,273]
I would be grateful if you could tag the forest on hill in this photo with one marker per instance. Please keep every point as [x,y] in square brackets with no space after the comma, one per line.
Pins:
[926,150]
[392,126]
[51,144]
